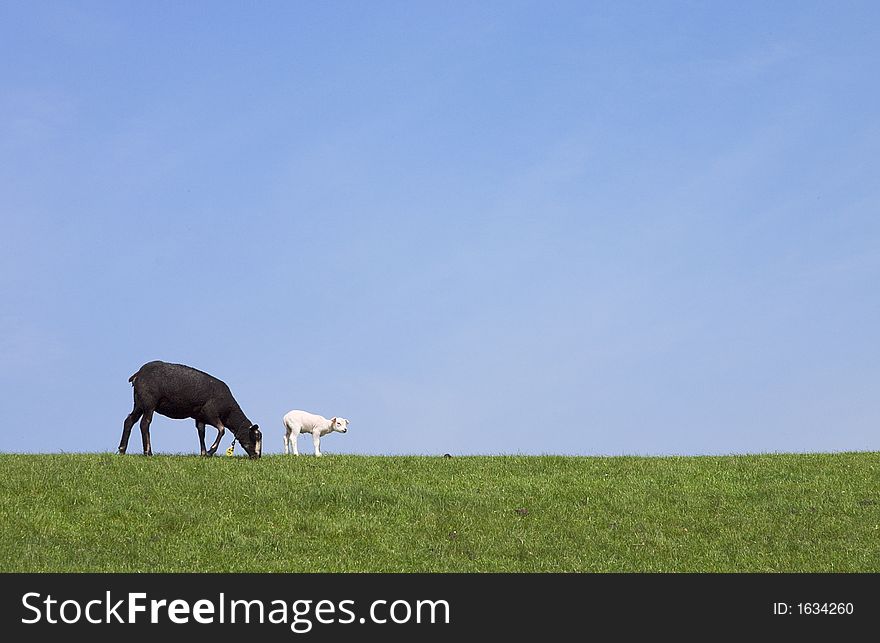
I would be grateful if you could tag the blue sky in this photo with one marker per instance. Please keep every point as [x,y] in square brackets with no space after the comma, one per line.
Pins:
[470,227]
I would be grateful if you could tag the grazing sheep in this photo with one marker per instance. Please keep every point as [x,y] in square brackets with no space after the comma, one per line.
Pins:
[178,391]
[296,422]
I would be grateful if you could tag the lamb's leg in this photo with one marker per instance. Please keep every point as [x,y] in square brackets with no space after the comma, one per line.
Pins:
[200,427]
[316,440]
[220,431]
[286,439]
[145,431]
[133,417]
[292,438]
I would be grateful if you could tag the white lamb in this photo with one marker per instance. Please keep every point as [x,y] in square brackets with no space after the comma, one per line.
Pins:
[296,422]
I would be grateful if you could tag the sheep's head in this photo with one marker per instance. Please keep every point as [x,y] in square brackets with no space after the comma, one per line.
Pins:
[251,440]
[339,424]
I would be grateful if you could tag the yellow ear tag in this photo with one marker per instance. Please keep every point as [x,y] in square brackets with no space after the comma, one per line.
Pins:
[230,449]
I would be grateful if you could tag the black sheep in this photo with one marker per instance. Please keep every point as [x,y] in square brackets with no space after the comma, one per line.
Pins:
[178,391]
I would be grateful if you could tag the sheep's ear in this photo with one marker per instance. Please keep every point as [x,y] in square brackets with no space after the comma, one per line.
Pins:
[255,427]
[333,420]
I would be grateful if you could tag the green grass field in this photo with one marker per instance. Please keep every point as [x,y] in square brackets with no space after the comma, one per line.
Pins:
[109,513]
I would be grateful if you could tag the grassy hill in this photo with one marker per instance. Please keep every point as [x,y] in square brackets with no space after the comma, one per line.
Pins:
[102,512]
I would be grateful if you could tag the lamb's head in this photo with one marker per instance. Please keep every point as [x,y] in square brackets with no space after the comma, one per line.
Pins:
[340,425]
[251,440]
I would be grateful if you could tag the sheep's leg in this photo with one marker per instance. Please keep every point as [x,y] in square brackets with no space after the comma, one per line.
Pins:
[220,431]
[145,431]
[292,435]
[200,427]
[286,440]
[316,440]
[133,417]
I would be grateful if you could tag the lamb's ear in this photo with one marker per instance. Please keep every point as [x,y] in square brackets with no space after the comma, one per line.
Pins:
[255,427]
[333,421]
